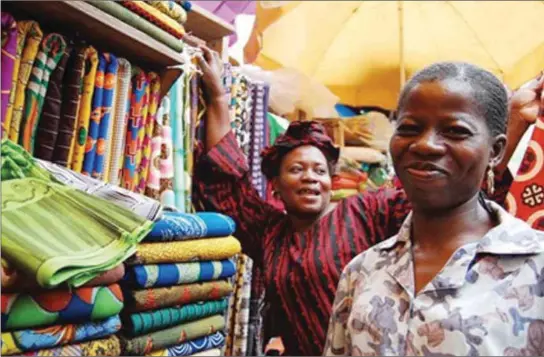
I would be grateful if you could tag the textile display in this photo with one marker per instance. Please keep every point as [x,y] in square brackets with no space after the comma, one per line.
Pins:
[17,342]
[171,336]
[200,344]
[71,99]
[175,226]
[526,197]
[156,17]
[241,109]
[20,311]
[118,11]
[153,184]
[156,298]
[120,119]
[258,136]
[145,322]
[9,56]
[19,44]
[148,129]
[171,9]
[186,251]
[48,126]
[138,109]
[141,205]
[166,160]
[14,280]
[105,347]
[177,111]
[148,276]
[51,51]
[30,35]
[85,106]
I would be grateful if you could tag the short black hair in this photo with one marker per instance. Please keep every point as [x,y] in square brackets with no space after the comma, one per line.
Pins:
[489,92]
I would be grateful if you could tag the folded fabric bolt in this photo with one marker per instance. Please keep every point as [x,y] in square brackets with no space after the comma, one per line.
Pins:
[106,347]
[145,322]
[147,276]
[16,281]
[197,345]
[156,17]
[186,251]
[20,311]
[212,352]
[180,226]
[171,9]
[174,335]
[151,299]
[17,342]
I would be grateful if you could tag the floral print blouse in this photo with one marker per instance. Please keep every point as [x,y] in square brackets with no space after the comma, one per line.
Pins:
[488,300]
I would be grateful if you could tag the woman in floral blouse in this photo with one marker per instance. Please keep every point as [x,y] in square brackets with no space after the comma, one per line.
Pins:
[462,276]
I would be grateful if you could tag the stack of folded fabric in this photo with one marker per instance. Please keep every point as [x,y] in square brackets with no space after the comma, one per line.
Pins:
[176,286]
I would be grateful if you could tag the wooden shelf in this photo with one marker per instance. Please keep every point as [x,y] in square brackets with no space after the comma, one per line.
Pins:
[207,26]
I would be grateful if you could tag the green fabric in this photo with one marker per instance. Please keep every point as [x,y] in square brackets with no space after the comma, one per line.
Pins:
[59,234]
[129,17]
[144,322]
[172,336]
[276,126]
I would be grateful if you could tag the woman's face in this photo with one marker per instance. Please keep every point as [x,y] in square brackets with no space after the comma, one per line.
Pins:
[441,147]
[304,181]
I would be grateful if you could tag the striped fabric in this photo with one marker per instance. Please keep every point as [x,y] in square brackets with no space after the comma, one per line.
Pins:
[120,119]
[71,98]
[48,127]
[31,36]
[177,116]
[138,109]
[149,124]
[166,161]
[154,176]
[9,56]
[156,17]
[84,113]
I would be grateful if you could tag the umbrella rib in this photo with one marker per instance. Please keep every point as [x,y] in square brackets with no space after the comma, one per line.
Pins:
[476,36]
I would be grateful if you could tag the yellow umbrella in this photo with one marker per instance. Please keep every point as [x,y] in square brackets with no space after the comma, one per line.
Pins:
[360,48]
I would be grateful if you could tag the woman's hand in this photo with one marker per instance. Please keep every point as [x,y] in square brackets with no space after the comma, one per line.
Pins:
[212,69]
[525,102]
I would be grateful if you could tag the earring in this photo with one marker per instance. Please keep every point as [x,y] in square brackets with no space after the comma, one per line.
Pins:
[490,182]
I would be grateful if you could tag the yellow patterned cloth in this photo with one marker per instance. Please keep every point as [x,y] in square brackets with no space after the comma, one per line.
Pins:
[77,150]
[105,347]
[186,251]
[29,36]
[171,9]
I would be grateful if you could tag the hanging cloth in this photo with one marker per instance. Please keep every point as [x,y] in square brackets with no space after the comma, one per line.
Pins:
[9,56]
[177,115]
[153,184]
[166,160]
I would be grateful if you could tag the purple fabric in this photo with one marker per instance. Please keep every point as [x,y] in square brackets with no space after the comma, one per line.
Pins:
[9,48]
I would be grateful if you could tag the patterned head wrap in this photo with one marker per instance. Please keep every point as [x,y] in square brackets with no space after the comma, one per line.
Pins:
[299,133]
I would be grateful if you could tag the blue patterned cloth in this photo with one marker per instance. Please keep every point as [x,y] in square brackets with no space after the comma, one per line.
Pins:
[181,226]
[191,347]
[146,276]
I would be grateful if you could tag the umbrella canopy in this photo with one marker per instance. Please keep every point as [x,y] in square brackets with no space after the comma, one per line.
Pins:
[357,48]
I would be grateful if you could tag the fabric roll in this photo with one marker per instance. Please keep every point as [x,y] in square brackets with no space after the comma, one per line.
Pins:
[212,352]
[118,11]
[17,342]
[21,311]
[166,160]
[13,280]
[170,9]
[105,347]
[186,251]
[51,51]
[142,206]
[197,345]
[31,37]
[148,276]
[190,116]
[9,56]
[257,141]
[138,109]
[48,126]
[184,226]
[157,298]
[177,112]
[242,106]
[156,17]
[149,125]
[120,118]
[171,336]
[153,184]
[242,302]
[71,99]
[145,322]
[84,112]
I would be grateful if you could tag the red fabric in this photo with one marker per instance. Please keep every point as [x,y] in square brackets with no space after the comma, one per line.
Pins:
[301,270]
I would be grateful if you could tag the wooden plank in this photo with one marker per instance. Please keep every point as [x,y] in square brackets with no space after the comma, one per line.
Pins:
[207,26]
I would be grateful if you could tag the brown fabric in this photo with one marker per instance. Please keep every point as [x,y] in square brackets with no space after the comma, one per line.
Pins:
[73,82]
[48,126]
